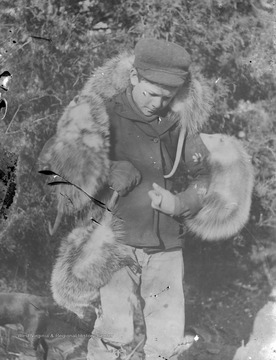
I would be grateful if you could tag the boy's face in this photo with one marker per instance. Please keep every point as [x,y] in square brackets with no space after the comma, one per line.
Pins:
[148,97]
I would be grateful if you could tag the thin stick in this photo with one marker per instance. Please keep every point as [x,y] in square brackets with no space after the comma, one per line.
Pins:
[45,117]
[136,347]
[113,200]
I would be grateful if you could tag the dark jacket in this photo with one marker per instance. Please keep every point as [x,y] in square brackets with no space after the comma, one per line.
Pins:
[150,145]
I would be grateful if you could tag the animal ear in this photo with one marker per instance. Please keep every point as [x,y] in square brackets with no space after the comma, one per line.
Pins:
[133,75]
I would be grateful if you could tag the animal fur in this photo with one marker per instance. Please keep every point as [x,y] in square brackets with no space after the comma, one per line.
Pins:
[227,201]
[88,257]
[79,150]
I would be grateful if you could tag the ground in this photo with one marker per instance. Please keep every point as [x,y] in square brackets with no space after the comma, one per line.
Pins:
[224,290]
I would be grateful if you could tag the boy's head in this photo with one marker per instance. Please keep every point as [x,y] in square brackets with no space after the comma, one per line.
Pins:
[160,68]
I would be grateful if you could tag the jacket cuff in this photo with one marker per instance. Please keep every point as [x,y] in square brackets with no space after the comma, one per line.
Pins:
[187,203]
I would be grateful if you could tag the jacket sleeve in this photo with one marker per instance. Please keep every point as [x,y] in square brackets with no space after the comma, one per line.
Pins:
[190,201]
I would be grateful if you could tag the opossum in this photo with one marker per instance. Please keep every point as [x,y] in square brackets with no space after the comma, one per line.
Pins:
[79,153]
[227,200]
[88,257]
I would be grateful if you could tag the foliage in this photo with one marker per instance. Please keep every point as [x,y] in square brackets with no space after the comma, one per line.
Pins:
[256,120]
[52,47]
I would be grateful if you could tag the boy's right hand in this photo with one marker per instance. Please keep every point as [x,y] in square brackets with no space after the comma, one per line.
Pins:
[123,177]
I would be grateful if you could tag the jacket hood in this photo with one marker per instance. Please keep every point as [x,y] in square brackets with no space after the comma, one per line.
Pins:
[126,108]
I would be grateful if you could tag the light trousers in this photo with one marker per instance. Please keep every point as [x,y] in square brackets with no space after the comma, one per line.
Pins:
[159,287]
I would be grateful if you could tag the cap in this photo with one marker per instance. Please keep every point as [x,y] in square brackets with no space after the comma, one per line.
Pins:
[162,62]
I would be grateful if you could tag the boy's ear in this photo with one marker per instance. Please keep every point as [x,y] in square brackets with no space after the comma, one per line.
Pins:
[133,77]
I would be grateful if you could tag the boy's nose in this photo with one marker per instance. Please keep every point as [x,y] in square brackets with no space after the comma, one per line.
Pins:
[156,103]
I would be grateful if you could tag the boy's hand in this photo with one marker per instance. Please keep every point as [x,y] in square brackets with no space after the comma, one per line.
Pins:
[123,177]
[162,199]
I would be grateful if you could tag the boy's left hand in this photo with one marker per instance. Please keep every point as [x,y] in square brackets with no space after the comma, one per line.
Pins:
[162,199]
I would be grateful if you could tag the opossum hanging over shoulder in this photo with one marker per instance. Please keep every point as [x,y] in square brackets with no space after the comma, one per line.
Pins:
[227,199]
[88,257]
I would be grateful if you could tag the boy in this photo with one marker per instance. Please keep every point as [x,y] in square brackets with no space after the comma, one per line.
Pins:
[134,126]
[143,146]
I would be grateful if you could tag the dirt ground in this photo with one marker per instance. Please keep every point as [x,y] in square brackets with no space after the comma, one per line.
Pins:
[224,291]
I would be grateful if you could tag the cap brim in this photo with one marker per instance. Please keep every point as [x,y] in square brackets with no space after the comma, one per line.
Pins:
[162,78]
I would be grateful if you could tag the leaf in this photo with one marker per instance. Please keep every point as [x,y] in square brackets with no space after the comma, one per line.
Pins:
[47,172]
[3,107]
[59,183]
